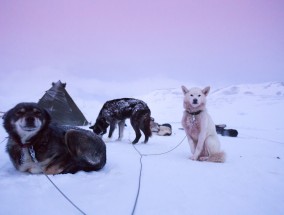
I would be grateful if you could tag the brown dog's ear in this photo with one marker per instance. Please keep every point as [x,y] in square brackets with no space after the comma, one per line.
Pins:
[4,116]
[206,90]
[184,89]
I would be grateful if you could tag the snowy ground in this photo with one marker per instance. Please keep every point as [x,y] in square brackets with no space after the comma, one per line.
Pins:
[250,182]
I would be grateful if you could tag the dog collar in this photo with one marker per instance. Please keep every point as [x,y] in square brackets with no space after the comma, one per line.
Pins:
[26,145]
[194,113]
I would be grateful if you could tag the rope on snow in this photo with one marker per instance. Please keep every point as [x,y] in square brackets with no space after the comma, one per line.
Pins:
[141,168]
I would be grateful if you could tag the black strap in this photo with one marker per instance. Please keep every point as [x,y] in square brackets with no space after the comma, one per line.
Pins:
[194,113]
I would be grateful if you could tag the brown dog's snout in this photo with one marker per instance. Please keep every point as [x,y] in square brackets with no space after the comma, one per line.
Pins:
[30,121]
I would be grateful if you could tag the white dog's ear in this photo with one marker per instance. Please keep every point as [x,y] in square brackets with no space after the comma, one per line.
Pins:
[206,90]
[184,89]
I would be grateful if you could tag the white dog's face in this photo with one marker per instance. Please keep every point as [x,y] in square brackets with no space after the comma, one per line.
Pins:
[194,97]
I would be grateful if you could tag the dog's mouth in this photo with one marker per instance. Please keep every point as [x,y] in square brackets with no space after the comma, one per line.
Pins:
[195,105]
[28,128]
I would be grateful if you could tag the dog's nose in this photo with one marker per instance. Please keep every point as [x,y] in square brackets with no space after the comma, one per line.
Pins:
[30,121]
[195,101]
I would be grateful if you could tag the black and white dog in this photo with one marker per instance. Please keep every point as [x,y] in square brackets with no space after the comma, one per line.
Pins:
[36,145]
[117,111]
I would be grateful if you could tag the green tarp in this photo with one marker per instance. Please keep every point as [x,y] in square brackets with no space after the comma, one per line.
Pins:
[61,106]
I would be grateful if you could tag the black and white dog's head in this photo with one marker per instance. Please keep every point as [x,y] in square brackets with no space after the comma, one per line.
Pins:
[100,127]
[25,120]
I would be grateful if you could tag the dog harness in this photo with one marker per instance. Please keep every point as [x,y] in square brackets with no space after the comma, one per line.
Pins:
[30,146]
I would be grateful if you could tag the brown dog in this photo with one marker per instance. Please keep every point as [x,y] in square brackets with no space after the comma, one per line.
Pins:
[36,145]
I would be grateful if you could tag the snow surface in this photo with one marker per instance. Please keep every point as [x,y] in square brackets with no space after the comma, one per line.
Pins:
[250,182]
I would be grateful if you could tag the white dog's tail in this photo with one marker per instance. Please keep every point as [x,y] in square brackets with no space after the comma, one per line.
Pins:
[218,157]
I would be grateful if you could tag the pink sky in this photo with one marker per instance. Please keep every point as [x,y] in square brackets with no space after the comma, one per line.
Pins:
[225,41]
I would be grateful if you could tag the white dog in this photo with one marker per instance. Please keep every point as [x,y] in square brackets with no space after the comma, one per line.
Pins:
[199,127]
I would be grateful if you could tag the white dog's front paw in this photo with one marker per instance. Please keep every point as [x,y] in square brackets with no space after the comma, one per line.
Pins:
[203,158]
[193,158]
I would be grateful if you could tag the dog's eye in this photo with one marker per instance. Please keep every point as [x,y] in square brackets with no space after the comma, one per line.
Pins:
[37,112]
[191,95]
[20,112]
[199,95]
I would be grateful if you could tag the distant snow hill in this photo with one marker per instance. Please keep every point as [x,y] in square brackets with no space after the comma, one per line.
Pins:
[224,104]
[264,90]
